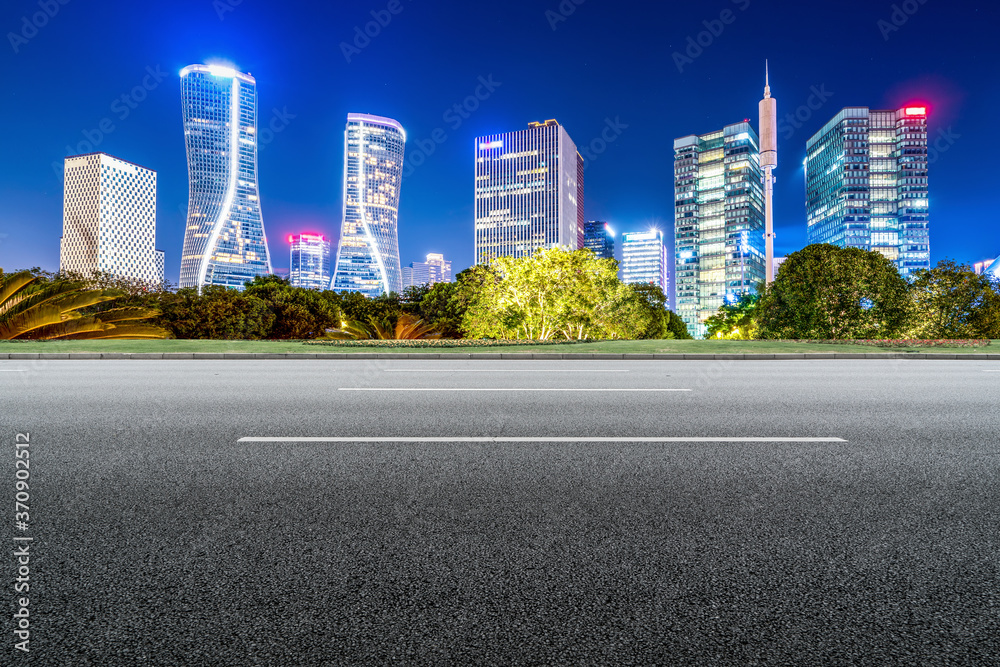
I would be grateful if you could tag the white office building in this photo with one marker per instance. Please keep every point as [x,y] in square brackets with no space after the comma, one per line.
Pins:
[529,192]
[434,270]
[644,259]
[109,219]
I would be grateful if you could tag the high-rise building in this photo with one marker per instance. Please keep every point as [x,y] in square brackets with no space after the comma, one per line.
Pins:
[434,270]
[866,184]
[368,254]
[109,219]
[599,238]
[224,242]
[310,261]
[989,267]
[718,221]
[644,259]
[529,192]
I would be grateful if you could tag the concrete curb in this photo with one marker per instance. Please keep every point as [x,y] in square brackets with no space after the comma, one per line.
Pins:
[543,356]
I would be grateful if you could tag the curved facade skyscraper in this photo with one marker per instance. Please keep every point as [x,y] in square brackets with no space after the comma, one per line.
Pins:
[368,253]
[224,242]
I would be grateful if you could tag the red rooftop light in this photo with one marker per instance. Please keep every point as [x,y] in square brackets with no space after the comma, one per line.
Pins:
[916,111]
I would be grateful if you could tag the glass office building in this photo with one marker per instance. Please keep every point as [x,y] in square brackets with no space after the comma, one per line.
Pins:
[866,184]
[529,192]
[599,238]
[224,241]
[718,221]
[435,270]
[368,254]
[310,261]
[644,259]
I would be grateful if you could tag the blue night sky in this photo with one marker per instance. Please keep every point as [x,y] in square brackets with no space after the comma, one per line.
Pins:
[604,62]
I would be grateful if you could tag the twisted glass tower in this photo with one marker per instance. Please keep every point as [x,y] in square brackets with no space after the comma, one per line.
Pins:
[224,241]
[368,254]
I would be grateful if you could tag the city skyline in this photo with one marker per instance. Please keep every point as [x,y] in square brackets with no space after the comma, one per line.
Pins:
[616,120]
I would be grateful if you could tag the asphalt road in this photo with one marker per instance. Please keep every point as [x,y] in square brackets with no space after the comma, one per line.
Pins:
[161,538]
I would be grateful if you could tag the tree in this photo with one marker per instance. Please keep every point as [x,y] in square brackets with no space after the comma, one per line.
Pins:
[735,321]
[299,313]
[553,294]
[952,301]
[41,307]
[827,292]
[663,323]
[217,313]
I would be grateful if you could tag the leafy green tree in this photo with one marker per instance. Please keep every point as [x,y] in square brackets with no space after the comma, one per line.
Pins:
[384,309]
[678,328]
[299,313]
[952,301]
[735,321]
[445,304]
[217,313]
[553,294]
[827,292]
[663,323]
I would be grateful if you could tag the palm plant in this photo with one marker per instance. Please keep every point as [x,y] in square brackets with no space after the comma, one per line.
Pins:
[50,310]
[407,327]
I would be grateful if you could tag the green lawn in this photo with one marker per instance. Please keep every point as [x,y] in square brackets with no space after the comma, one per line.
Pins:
[607,347]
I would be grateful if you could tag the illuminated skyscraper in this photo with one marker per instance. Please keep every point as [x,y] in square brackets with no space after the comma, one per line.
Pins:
[718,221]
[368,254]
[529,192]
[434,270]
[866,184]
[310,261]
[224,242]
[109,219]
[644,259]
[599,238]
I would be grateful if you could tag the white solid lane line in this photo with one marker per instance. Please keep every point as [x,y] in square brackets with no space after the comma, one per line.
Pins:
[494,389]
[13,370]
[540,439]
[499,370]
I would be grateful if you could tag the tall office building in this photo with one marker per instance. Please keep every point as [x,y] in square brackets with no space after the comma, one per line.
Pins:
[866,184]
[224,242]
[989,267]
[109,219]
[718,221]
[644,259]
[434,270]
[368,254]
[310,261]
[529,192]
[599,238]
